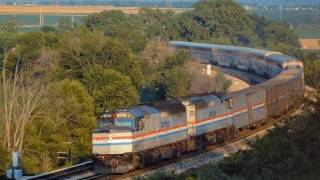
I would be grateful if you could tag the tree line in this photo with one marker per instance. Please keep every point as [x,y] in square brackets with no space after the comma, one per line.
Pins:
[55,82]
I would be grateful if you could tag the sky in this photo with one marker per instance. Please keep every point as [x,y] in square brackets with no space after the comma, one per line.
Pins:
[284,2]
[259,2]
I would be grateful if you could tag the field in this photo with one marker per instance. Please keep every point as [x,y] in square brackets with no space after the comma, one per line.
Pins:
[72,10]
[32,22]
[304,22]
[29,16]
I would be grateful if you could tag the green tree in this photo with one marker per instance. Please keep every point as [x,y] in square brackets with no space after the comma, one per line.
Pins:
[29,48]
[312,69]
[111,90]
[218,19]
[66,123]
[65,24]
[279,37]
[4,159]
[161,24]
[8,37]
[154,54]
[173,78]
[83,49]
[118,25]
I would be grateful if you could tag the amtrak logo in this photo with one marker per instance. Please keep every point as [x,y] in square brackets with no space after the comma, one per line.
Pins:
[165,123]
[100,139]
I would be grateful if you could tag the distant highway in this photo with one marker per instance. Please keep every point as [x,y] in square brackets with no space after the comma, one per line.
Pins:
[72,10]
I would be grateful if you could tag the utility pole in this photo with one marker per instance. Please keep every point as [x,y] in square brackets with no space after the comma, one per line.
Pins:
[72,21]
[280,10]
[15,172]
[41,19]
[168,4]
[316,9]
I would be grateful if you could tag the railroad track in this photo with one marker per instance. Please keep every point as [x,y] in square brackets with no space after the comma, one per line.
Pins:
[82,170]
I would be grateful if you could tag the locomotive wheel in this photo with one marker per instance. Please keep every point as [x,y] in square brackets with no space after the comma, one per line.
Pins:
[142,162]
[114,163]
[178,153]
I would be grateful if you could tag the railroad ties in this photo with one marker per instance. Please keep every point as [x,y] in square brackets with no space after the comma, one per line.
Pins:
[79,171]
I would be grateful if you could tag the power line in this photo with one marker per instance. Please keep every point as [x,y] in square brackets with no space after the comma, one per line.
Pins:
[168,4]
[316,6]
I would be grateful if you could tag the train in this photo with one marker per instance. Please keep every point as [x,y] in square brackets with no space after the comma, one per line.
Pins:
[137,136]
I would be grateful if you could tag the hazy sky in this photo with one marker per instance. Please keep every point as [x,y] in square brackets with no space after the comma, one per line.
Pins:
[260,2]
[284,2]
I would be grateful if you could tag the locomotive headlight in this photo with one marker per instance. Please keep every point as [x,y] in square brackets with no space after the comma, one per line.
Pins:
[186,103]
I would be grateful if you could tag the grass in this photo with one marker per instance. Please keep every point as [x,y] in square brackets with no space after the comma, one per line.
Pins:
[303,21]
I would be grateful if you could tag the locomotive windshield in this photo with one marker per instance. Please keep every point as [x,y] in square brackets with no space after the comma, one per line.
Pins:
[116,119]
[124,122]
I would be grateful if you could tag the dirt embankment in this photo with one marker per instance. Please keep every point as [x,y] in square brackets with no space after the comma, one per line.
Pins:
[203,83]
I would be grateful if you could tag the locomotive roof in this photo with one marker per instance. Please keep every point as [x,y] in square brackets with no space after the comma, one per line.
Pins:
[207,98]
[173,107]
[210,46]
[140,111]
[203,101]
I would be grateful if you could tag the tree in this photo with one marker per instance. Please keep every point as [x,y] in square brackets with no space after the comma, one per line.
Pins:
[83,49]
[65,24]
[65,124]
[312,69]
[29,48]
[5,159]
[152,57]
[111,90]
[157,23]
[279,37]
[217,19]
[118,25]
[21,96]
[8,37]
[173,78]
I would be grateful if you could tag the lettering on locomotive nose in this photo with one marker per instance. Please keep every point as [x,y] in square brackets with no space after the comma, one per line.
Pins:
[165,123]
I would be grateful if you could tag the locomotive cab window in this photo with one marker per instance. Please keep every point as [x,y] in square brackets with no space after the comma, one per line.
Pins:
[121,119]
[141,124]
